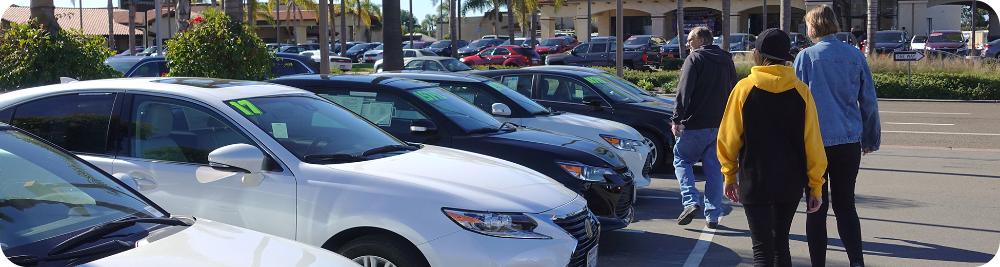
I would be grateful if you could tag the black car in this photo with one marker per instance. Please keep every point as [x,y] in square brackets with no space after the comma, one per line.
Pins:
[588,93]
[425,113]
[622,83]
[646,43]
[443,47]
[123,63]
[356,51]
[891,41]
[284,64]
[478,45]
[672,49]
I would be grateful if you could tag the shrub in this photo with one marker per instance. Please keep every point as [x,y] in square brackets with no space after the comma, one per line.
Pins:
[671,63]
[644,84]
[965,86]
[30,57]
[653,77]
[216,47]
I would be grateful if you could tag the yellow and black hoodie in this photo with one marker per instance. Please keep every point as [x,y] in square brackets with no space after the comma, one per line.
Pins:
[769,139]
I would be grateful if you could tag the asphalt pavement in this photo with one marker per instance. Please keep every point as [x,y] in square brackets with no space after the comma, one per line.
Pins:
[927,198]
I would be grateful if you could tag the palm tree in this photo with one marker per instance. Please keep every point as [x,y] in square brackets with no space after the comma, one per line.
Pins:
[491,8]
[183,14]
[234,9]
[392,36]
[786,15]
[872,26]
[44,12]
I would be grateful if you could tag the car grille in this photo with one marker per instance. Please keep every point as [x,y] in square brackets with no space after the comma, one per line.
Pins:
[577,225]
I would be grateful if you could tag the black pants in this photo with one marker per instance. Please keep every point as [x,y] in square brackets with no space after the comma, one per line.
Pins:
[843,162]
[769,226]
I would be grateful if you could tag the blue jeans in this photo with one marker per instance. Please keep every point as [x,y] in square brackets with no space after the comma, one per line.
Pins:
[694,146]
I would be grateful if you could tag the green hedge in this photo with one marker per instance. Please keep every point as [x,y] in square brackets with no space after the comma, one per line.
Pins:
[30,57]
[938,86]
[667,80]
[216,47]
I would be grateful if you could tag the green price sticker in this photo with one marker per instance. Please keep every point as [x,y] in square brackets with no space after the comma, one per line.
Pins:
[247,108]
[594,79]
[428,96]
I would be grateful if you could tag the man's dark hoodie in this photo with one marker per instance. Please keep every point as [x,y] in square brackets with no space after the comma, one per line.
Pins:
[707,77]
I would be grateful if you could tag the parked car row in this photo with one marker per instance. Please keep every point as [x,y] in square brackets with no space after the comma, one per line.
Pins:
[156,66]
[394,169]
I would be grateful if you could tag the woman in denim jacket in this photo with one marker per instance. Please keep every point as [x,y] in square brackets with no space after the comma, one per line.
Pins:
[841,83]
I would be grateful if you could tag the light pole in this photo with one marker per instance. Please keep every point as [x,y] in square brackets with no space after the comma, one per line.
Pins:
[619,40]
[590,17]
[324,37]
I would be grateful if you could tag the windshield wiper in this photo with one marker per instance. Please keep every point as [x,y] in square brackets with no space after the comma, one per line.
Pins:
[96,232]
[388,148]
[333,158]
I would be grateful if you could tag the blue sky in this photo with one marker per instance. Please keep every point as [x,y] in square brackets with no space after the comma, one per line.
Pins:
[420,7]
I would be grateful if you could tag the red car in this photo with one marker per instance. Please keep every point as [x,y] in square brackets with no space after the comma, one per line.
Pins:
[507,55]
[555,45]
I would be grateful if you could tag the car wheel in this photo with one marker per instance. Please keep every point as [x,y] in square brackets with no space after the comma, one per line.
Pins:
[660,151]
[382,250]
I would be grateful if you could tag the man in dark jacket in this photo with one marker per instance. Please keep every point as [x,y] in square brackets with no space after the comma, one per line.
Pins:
[707,77]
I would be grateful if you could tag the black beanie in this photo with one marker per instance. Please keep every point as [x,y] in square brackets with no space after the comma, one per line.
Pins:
[775,44]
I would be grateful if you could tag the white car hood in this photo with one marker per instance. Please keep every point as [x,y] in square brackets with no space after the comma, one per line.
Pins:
[583,126]
[457,178]
[208,243]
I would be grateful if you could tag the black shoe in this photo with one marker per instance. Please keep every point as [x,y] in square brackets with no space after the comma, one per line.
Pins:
[687,215]
[713,225]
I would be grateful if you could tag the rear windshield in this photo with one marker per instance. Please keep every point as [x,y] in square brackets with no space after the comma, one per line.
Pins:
[890,37]
[945,37]
[637,40]
[552,42]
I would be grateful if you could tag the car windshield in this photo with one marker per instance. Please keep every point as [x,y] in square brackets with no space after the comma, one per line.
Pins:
[612,89]
[919,39]
[310,127]
[481,43]
[122,65]
[672,41]
[465,115]
[454,65]
[379,47]
[48,193]
[357,47]
[890,37]
[530,105]
[637,40]
[441,44]
[945,37]
[624,84]
[552,42]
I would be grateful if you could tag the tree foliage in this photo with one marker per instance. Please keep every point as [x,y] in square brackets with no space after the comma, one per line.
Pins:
[30,56]
[216,47]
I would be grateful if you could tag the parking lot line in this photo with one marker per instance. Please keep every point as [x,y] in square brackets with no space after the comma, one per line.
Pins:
[924,112]
[920,123]
[700,248]
[944,133]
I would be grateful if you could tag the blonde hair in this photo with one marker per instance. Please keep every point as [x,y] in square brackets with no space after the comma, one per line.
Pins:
[821,21]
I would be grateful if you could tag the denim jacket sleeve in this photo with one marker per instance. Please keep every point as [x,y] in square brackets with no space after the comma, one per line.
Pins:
[871,135]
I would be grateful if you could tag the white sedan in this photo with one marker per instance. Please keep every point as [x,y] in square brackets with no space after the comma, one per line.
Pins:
[60,211]
[286,162]
[407,53]
[336,62]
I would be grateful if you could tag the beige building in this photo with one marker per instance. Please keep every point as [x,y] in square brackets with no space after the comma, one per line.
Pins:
[659,17]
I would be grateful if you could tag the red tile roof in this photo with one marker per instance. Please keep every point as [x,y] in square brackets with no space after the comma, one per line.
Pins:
[95,20]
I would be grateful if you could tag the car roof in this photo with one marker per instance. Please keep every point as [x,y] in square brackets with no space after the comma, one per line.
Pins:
[435,58]
[565,67]
[360,81]
[533,71]
[891,31]
[207,90]
[124,58]
[436,76]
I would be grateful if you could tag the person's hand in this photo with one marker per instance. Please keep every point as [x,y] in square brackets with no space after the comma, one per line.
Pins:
[677,129]
[733,192]
[866,151]
[813,204]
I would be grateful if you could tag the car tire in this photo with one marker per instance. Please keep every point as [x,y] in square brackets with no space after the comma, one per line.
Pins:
[661,152]
[385,247]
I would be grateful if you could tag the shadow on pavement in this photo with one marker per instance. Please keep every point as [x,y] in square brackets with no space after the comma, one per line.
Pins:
[879,202]
[639,249]
[918,250]
[930,172]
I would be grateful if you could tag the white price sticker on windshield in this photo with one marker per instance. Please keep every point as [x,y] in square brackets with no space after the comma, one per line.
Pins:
[279,130]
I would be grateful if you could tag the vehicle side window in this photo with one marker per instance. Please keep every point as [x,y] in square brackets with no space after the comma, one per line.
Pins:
[174,130]
[598,47]
[501,52]
[77,122]
[580,49]
[415,65]
[562,89]
[409,53]
[474,95]
[520,83]
[487,52]
[388,111]
[284,67]
[433,66]
[151,69]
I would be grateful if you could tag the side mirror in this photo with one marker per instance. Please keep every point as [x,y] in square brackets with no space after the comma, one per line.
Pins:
[238,158]
[424,127]
[500,109]
[593,101]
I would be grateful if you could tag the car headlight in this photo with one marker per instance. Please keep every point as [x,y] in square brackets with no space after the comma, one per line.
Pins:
[622,143]
[496,224]
[585,172]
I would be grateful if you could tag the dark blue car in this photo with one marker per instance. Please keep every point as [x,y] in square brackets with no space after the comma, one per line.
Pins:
[285,64]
